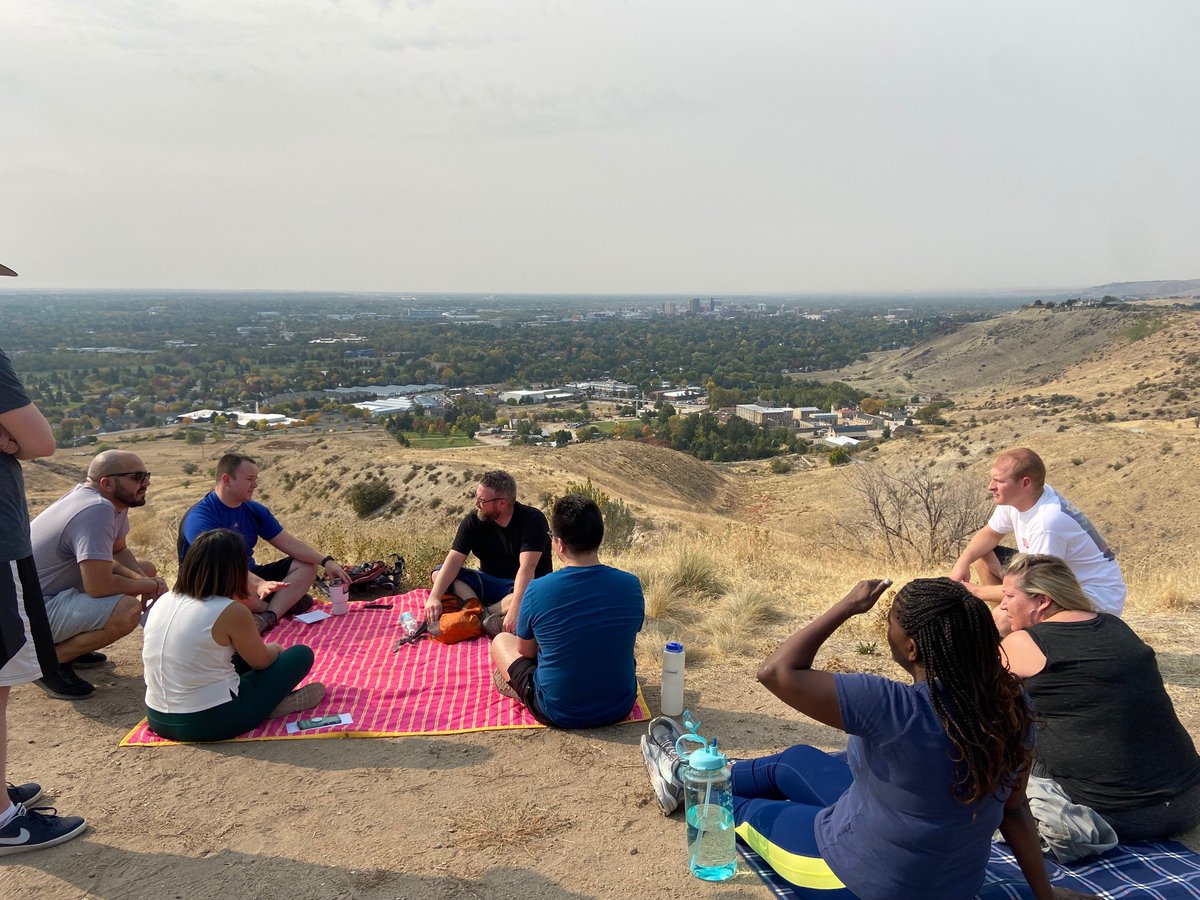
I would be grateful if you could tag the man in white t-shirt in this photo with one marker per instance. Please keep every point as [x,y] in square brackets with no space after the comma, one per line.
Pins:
[1042,521]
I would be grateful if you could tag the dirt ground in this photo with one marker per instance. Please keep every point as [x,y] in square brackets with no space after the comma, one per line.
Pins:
[524,813]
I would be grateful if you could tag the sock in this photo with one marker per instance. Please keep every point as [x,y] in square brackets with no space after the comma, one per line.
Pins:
[8,814]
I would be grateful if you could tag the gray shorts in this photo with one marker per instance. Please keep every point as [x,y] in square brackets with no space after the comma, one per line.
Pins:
[73,612]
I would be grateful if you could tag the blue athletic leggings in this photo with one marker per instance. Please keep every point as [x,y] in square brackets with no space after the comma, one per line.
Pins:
[775,802]
[259,693]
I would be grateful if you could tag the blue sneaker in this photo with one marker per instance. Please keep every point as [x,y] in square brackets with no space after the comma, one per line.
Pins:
[23,793]
[33,829]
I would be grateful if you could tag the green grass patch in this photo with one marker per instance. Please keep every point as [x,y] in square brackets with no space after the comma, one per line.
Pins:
[1142,328]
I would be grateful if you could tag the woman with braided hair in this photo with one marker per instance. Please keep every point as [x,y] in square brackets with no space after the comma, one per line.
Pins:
[931,770]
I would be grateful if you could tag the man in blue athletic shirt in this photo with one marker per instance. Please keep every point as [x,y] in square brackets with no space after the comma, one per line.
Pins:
[275,587]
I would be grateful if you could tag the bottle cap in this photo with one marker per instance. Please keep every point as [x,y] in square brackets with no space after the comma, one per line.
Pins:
[674,647]
[706,759]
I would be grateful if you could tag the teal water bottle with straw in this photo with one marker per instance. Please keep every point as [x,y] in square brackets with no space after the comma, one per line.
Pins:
[708,801]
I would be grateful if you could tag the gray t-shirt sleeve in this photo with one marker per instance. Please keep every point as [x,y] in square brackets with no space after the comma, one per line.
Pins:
[92,532]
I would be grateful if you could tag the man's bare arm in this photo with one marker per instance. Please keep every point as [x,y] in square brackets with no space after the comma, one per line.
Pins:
[984,541]
[99,580]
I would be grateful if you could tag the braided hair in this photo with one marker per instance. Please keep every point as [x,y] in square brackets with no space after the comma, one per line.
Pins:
[980,703]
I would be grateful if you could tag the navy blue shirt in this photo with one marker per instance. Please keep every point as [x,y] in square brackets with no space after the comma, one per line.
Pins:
[898,832]
[14,515]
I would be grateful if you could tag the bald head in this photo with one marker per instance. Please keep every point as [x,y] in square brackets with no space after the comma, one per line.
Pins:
[120,477]
[110,462]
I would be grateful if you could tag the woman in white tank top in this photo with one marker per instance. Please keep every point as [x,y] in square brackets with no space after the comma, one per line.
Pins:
[209,676]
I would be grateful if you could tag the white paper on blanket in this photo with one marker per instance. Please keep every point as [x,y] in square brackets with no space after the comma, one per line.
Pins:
[345,719]
[312,616]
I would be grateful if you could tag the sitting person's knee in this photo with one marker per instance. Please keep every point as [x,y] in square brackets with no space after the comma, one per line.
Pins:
[125,615]
[148,568]
[302,572]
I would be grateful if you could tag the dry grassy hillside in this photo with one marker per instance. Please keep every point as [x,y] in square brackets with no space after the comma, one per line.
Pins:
[1018,350]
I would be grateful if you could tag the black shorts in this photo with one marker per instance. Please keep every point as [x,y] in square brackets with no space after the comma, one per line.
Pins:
[274,571]
[520,678]
[1004,555]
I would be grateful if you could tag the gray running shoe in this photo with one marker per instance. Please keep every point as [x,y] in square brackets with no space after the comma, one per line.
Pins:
[662,762]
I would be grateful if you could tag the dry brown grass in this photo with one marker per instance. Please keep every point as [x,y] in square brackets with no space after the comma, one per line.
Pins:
[512,826]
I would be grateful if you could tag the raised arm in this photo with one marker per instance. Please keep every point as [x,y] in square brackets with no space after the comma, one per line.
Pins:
[788,672]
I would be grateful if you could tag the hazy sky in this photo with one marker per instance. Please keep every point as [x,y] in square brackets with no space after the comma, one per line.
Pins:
[688,146]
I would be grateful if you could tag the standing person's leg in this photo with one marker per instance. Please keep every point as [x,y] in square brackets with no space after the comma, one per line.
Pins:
[20,602]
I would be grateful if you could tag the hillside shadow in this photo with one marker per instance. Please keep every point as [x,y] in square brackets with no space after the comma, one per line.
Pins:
[1181,669]
[107,872]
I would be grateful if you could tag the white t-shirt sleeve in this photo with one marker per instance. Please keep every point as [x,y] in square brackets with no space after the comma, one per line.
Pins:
[1001,521]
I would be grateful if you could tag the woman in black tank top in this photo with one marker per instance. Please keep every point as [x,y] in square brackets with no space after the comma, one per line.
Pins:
[1107,733]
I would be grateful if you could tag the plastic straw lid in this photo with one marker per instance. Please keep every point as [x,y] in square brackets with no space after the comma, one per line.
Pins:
[707,758]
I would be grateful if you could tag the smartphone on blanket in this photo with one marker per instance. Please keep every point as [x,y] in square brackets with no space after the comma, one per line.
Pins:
[319,722]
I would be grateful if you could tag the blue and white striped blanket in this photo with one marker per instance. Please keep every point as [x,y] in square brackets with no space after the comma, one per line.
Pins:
[1154,870]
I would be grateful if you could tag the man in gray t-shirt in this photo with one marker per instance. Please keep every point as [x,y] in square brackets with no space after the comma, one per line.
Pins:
[95,588]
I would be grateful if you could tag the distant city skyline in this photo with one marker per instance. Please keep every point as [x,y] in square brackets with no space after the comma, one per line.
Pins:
[590,147]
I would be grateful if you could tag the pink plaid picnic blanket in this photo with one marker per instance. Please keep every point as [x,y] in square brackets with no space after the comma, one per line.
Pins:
[423,688]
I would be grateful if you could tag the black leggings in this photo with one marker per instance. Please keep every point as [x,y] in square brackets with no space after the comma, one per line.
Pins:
[259,693]
[1161,820]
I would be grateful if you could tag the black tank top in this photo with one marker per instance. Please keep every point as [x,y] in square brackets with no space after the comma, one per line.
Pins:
[1107,730]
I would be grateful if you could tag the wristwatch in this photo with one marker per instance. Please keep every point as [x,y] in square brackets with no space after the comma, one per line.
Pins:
[326,561]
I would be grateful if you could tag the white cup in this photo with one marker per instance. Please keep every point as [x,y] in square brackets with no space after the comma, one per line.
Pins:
[339,596]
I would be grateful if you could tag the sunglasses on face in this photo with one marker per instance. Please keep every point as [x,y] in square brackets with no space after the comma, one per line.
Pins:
[140,477]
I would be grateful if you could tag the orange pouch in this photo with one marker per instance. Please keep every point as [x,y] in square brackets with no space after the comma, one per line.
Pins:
[460,620]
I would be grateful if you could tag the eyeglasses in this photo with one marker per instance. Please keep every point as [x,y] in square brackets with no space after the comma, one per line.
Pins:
[481,502]
[140,477]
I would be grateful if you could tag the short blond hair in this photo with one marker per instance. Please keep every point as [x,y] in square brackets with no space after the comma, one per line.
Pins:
[1024,463]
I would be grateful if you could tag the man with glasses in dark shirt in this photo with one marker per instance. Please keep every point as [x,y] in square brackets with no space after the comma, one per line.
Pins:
[512,543]
[96,590]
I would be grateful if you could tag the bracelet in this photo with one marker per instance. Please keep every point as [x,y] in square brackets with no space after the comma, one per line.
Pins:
[326,560]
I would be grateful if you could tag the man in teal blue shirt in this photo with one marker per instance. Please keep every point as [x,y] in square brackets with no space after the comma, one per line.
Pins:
[570,661]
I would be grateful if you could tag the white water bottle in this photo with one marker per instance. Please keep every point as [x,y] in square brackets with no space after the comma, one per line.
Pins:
[408,622]
[672,679]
